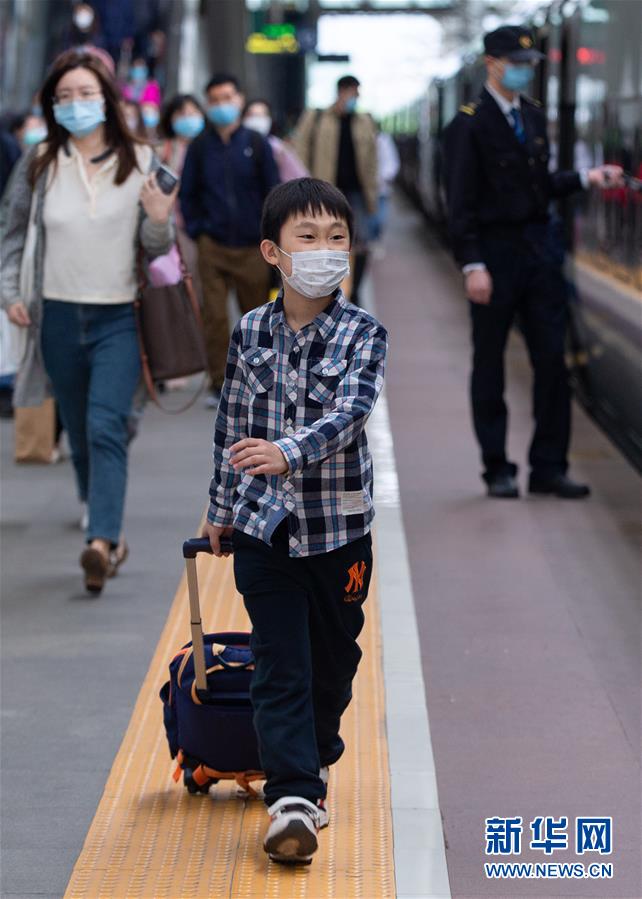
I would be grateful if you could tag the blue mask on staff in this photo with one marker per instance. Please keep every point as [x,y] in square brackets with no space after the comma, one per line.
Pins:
[517,78]
[80,117]
[350,105]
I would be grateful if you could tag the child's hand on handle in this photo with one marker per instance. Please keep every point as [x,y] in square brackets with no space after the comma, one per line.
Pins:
[258,457]
[214,532]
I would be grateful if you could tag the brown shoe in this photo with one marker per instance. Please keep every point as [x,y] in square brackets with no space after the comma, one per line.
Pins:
[117,557]
[95,564]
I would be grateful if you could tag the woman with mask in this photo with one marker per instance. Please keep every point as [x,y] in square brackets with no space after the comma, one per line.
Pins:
[182,120]
[133,118]
[140,86]
[91,192]
[28,129]
[150,114]
[257,116]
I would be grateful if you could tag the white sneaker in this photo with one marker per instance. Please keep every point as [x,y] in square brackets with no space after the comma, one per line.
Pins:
[324,814]
[292,835]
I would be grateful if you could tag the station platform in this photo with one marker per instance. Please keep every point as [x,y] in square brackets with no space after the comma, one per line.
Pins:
[501,653]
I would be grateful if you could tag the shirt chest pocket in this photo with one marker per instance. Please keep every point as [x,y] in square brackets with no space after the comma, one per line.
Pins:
[259,364]
[324,377]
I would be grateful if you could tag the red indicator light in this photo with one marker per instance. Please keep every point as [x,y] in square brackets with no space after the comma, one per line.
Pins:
[587,56]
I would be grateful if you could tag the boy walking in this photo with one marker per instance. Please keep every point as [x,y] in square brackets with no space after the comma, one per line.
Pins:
[292,484]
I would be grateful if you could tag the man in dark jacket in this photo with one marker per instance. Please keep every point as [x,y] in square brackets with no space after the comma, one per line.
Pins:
[229,170]
[499,191]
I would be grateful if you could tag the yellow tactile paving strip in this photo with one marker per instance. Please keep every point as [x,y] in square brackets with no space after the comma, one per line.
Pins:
[150,838]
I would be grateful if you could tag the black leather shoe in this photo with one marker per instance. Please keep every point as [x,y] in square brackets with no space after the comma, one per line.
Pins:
[559,485]
[503,486]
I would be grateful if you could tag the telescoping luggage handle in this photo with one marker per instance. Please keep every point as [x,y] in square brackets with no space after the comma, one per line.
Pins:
[191,548]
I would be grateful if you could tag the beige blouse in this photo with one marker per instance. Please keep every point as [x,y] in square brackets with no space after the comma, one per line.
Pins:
[90,230]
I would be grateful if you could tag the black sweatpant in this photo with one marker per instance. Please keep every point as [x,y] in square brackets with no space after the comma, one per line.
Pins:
[306,616]
[527,284]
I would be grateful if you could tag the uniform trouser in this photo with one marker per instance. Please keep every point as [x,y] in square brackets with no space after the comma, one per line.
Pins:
[529,285]
[220,269]
[306,616]
[92,358]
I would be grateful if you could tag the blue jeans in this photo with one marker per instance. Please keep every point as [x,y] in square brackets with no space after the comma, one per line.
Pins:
[91,355]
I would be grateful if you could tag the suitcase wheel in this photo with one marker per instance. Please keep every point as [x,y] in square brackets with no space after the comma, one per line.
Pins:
[192,787]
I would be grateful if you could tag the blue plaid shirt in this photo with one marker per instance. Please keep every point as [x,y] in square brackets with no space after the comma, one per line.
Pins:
[310,393]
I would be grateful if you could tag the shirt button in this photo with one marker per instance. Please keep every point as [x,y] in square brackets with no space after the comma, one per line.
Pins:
[256,360]
[295,349]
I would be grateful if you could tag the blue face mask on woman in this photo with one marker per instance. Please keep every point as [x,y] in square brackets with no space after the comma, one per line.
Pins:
[80,117]
[151,118]
[188,126]
[33,136]
[517,78]
[138,73]
[225,114]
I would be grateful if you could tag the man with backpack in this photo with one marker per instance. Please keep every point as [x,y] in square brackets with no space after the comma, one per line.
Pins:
[229,170]
[339,145]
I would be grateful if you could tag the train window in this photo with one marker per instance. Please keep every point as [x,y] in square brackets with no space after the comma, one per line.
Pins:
[608,129]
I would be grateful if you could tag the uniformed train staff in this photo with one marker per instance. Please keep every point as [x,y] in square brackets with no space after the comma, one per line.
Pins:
[499,191]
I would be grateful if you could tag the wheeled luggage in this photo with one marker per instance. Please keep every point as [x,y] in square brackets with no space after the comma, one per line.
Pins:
[206,702]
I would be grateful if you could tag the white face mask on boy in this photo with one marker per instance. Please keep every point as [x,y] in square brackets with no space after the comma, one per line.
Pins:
[317,273]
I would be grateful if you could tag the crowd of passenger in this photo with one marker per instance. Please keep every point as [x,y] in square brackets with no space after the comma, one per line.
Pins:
[78,168]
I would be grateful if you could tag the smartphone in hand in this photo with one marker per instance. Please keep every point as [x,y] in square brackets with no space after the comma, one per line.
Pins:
[166,178]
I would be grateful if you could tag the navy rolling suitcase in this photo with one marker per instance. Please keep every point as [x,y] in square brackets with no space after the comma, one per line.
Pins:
[206,702]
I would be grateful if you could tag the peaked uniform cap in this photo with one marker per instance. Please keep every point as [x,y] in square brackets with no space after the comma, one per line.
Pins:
[513,42]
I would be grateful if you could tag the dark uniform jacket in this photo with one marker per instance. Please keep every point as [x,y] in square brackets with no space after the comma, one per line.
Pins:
[494,184]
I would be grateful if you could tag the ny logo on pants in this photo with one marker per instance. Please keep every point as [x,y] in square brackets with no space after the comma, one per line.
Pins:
[356,575]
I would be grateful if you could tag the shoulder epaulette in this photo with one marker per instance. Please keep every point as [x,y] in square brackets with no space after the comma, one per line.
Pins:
[469,108]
